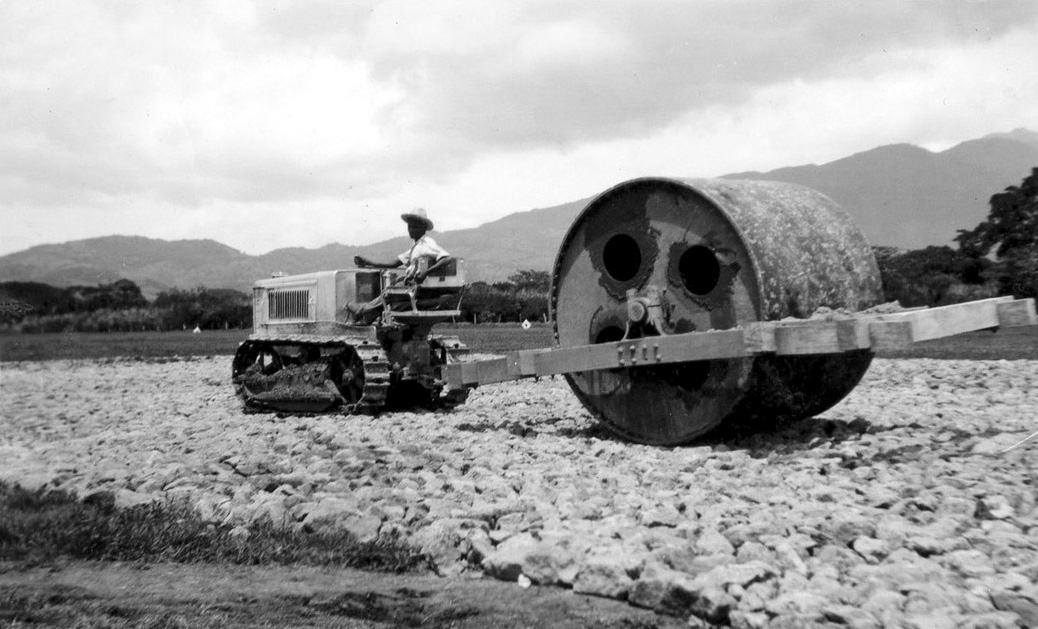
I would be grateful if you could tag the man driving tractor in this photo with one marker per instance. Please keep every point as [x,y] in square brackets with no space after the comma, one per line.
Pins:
[423,257]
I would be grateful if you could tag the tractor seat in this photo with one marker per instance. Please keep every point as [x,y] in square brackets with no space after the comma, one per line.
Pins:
[441,290]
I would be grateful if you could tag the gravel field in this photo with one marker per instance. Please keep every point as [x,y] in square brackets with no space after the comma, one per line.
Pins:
[905,506]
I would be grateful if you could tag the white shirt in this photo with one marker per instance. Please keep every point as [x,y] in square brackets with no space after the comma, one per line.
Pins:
[423,247]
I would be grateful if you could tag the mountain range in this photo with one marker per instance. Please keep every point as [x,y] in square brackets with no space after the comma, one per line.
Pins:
[900,195]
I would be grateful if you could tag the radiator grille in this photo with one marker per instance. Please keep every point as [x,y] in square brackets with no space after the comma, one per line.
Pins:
[289,304]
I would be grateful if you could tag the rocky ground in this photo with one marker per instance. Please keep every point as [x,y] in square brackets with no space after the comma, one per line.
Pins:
[908,505]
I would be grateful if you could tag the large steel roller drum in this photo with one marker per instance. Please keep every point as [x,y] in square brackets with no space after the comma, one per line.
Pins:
[722,253]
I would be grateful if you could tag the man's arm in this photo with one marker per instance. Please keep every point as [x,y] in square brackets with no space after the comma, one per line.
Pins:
[363,262]
[419,277]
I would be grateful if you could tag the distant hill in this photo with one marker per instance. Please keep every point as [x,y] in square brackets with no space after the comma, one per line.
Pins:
[493,251]
[901,195]
[906,196]
[152,264]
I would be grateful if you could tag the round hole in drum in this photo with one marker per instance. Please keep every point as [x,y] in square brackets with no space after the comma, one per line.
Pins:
[609,334]
[699,270]
[622,257]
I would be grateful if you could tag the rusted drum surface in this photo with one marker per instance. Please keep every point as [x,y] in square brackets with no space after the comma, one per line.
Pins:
[723,253]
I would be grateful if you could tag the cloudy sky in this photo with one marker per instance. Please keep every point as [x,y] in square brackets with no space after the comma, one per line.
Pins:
[276,124]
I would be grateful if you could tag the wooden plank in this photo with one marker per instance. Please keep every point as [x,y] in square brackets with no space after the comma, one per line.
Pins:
[944,321]
[570,359]
[454,375]
[951,320]
[890,334]
[655,350]
[891,331]
[497,371]
[759,337]
[523,362]
[809,337]
[476,373]
[1017,313]
[881,331]
[852,335]
[908,313]
[679,348]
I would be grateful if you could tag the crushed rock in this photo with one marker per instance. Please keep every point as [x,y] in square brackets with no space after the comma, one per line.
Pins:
[899,507]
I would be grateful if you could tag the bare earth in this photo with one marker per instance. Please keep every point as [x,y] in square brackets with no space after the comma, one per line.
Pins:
[911,504]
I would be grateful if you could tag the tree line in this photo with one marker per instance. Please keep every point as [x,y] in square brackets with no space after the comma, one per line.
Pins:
[523,297]
[997,257]
[34,307]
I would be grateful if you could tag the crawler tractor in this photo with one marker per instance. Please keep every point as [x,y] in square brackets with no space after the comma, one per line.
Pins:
[677,305]
[311,353]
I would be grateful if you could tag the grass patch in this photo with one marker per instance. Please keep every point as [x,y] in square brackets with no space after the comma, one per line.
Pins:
[1005,344]
[76,607]
[499,338]
[1010,344]
[43,525]
[69,607]
[141,345]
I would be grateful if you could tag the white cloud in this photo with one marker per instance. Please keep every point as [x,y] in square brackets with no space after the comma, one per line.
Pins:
[930,97]
[267,124]
[404,28]
[568,46]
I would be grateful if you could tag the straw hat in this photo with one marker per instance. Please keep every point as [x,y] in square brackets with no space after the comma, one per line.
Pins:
[418,216]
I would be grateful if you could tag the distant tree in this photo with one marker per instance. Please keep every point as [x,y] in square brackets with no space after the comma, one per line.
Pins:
[484,303]
[119,307]
[13,309]
[204,307]
[534,308]
[1011,233]
[1011,224]
[530,281]
[19,299]
[523,296]
[930,276]
[118,295]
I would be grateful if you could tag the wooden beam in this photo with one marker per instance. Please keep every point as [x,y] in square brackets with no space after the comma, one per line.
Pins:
[890,334]
[656,350]
[881,331]
[476,373]
[892,331]
[852,334]
[524,362]
[810,337]
[759,337]
[1021,312]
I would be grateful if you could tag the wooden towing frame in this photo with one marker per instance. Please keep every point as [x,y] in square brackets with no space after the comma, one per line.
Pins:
[678,305]
[860,331]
